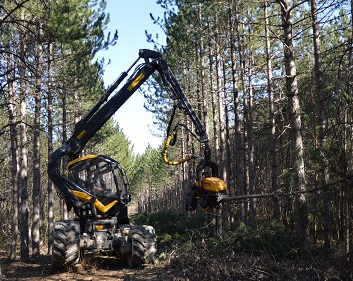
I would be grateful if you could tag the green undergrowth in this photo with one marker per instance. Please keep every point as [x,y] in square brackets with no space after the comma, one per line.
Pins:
[171,226]
[268,252]
[270,238]
[194,232]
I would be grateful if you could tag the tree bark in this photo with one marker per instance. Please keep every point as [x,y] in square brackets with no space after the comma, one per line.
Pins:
[36,193]
[320,97]
[202,59]
[213,105]
[220,109]
[24,178]
[239,167]
[15,170]
[50,186]
[24,222]
[273,142]
[297,150]
[249,143]
[228,152]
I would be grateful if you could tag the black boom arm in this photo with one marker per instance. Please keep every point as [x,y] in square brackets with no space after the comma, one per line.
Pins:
[103,110]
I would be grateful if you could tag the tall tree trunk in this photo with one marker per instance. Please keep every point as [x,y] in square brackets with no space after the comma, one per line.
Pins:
[214,105]
[220,126]
[15,170]
[347,136]
[296,134]
[228,158]
[239,167]
[320,97]
[50,186]
[346,188]
[36,178]
[273,142]
[250,152]
[24,222]
[220,109]
[202,61]
[36,194]
[227,129]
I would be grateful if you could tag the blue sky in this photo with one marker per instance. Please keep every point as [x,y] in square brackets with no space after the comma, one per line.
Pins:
[131,18]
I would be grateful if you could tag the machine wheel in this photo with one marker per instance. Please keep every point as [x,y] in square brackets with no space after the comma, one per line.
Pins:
[66,250]
[143,245]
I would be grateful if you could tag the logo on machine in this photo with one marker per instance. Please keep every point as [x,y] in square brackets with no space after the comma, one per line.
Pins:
[80,135]
[135,82]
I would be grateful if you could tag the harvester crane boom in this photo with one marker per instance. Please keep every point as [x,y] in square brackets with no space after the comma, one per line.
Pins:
[103,110]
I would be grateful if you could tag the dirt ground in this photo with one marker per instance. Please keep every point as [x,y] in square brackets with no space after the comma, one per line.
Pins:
[96,268]
[184,266]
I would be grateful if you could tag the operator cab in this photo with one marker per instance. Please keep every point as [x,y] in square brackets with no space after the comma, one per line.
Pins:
[100,183]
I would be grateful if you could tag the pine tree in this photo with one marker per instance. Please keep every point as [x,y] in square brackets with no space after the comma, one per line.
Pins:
[295,119]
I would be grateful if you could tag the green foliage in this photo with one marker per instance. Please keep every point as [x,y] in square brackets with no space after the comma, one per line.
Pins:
[190,231]
[171,226]
[149,169]
[76,28]
[81,25]
[271,238]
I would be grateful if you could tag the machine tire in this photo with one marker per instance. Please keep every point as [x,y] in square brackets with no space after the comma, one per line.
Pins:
[143,245]
[66,248]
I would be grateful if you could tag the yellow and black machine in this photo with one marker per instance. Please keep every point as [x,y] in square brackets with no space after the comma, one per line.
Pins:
[95,186]
[211,192]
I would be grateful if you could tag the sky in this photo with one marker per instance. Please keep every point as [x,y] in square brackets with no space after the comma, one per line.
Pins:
[131,18]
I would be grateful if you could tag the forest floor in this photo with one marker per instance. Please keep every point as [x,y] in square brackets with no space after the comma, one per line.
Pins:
[96,268]
[184,267]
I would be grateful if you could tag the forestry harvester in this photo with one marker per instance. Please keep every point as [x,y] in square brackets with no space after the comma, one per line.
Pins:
[95,186]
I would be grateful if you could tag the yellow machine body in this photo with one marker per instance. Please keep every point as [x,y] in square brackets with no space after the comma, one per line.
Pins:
[213,184]
[99,180]
[82,196]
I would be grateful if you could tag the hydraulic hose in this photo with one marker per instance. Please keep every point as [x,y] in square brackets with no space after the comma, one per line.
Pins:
[165,149]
